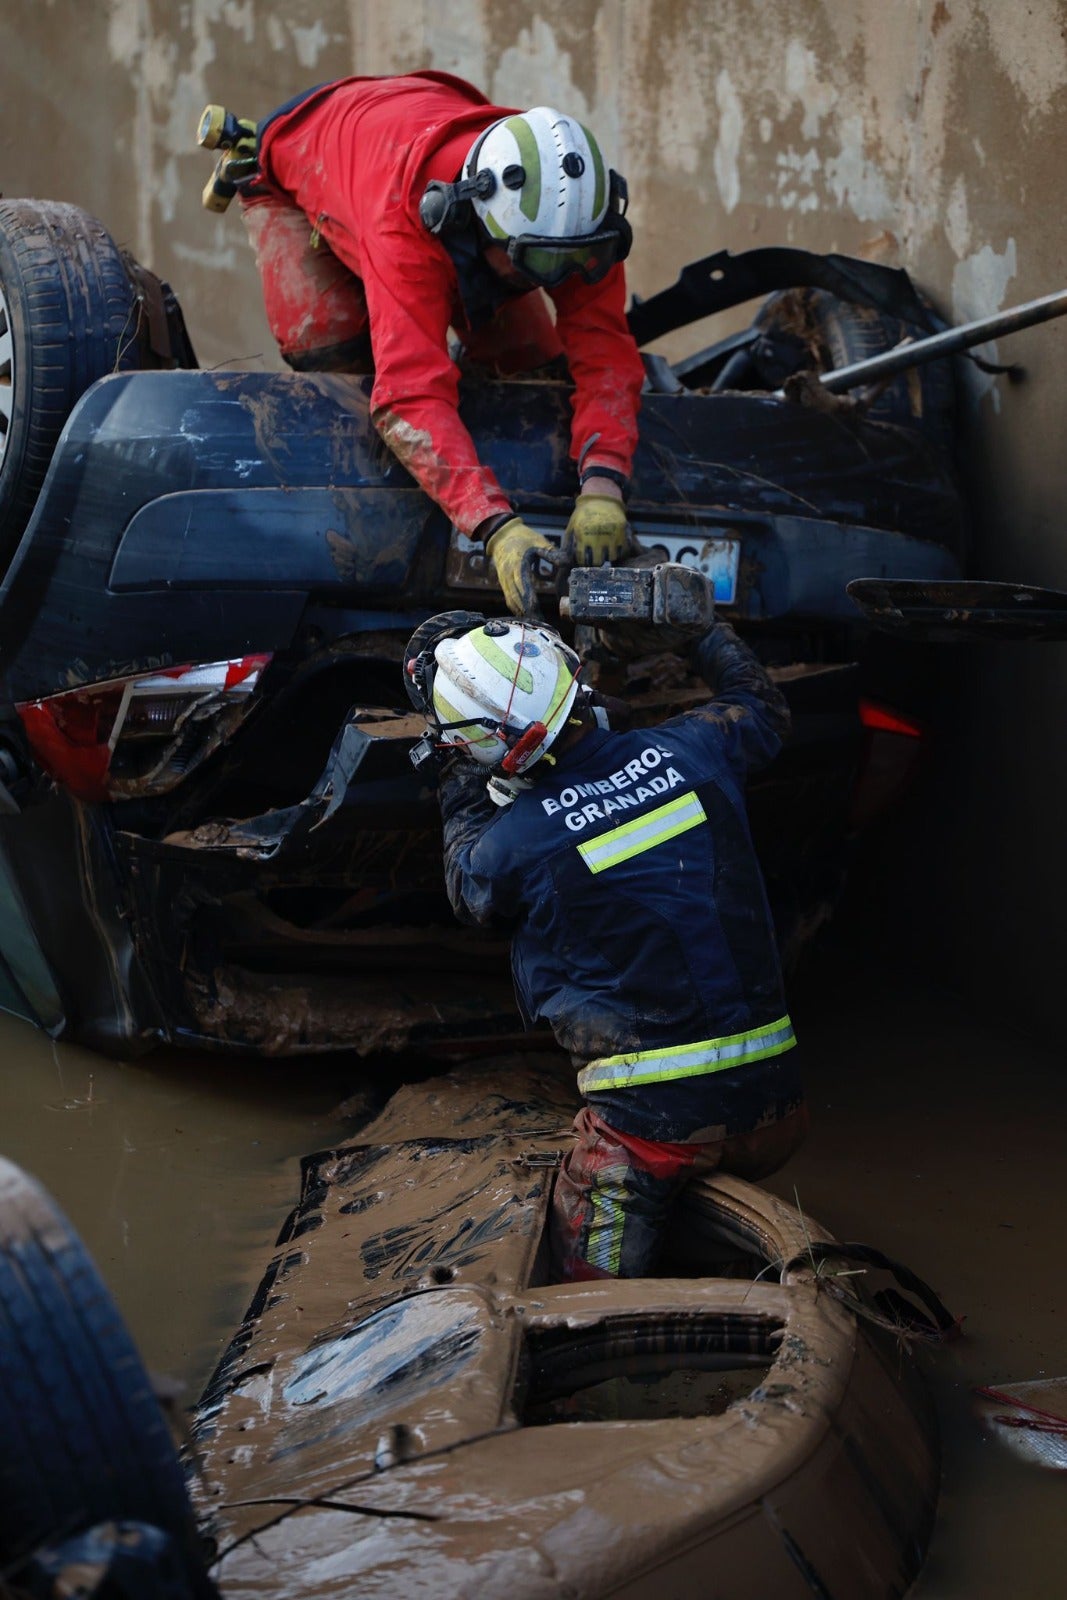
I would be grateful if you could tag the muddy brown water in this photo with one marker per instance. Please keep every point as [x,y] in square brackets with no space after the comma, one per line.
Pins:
[937,1136]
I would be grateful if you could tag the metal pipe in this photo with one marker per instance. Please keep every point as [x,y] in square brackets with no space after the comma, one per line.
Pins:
[912,353]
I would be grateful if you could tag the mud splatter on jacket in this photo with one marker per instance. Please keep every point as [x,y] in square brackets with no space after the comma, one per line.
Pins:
[641,930]
[356,157]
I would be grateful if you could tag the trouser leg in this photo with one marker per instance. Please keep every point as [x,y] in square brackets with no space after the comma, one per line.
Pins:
[315,306]
[616,1190]
[613,1198]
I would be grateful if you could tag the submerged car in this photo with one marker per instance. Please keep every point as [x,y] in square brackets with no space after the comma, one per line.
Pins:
[210,830]
[411,1406]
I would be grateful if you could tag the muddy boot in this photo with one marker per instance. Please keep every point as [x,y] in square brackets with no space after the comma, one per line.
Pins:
[220,129]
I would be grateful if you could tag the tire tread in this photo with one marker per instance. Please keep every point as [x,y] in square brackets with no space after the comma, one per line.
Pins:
[74,314]
[82,1437]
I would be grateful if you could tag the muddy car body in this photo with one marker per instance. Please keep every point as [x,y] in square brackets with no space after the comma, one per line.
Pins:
[410,1407]
[211,832]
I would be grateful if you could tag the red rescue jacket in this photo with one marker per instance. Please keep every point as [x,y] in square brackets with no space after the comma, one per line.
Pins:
[356,157]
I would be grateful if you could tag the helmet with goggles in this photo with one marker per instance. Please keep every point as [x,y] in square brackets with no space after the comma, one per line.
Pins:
[498,693]
[540,189]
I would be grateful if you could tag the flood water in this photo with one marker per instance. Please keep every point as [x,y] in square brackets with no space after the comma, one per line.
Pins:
[937,1136]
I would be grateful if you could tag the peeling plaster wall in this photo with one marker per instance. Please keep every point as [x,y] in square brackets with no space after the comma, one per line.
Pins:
[930,130]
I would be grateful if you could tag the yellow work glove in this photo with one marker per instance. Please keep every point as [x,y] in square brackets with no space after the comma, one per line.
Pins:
[597,531]
[506,550]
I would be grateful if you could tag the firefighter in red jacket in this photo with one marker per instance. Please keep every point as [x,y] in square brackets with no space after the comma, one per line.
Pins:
[386,211]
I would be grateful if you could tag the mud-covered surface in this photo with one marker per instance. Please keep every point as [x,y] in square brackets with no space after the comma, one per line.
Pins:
[399,1371]
[936,1136]
[289,1017]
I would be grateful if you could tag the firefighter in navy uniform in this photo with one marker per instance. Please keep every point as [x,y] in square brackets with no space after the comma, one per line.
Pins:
[623,865]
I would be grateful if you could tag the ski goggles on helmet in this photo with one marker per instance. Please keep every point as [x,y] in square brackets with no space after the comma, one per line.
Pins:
[549,261]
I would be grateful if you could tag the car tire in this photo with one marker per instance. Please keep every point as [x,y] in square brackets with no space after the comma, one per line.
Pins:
[82,1436]
[922,399]
[73,307]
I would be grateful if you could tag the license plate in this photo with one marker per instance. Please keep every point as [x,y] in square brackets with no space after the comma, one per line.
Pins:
[716,558]
[718,561]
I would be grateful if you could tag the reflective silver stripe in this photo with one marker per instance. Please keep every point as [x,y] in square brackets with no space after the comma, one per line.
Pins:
[643,833]
[688,1060]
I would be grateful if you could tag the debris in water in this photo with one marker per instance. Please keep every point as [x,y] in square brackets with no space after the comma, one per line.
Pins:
[1035,1423]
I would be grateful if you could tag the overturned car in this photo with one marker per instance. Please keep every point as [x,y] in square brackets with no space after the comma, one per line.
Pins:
[210,830]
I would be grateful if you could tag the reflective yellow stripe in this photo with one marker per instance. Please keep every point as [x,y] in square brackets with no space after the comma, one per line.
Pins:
[643,833]
[510,668]
[606,1223]
[466,735]
[688,1060]
[564,679]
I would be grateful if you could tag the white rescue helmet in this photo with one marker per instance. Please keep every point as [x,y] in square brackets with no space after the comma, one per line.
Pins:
[501,692]
[541,189]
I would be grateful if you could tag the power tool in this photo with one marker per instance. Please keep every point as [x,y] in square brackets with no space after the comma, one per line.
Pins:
[668,593]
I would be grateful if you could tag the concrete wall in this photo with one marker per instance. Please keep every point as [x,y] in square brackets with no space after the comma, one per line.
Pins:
[930,131]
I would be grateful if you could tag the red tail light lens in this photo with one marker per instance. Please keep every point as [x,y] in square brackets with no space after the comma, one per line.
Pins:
[883,720]
[894,746]
[139,736]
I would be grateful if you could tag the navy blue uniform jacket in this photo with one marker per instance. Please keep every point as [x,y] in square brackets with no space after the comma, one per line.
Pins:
[628,877]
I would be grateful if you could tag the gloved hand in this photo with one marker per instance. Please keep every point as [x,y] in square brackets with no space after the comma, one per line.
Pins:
[506,549]
[597,531]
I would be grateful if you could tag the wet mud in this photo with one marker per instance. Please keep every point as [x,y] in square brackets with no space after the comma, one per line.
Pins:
[176,1170]
[936,1136]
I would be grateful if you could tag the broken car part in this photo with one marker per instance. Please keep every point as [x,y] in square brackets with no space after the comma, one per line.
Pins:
[140,736]
[950,612]
[914,353]
[721,281]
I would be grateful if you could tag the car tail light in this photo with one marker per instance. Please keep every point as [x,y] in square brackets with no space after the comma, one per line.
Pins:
[893,749]
[139,736]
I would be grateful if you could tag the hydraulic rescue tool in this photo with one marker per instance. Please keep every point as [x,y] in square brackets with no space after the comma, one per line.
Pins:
[668,593]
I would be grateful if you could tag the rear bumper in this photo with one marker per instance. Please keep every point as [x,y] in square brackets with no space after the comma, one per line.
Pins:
[785,568]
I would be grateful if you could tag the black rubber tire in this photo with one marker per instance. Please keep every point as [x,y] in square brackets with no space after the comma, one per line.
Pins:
[71,315]
[82,1437]
[923,399]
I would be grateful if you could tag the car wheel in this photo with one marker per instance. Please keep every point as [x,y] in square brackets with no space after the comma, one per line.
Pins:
[82,1437]
[73,307]
[841,333]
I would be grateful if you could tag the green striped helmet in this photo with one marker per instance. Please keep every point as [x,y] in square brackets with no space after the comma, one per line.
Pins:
[551,178]
[502,692]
